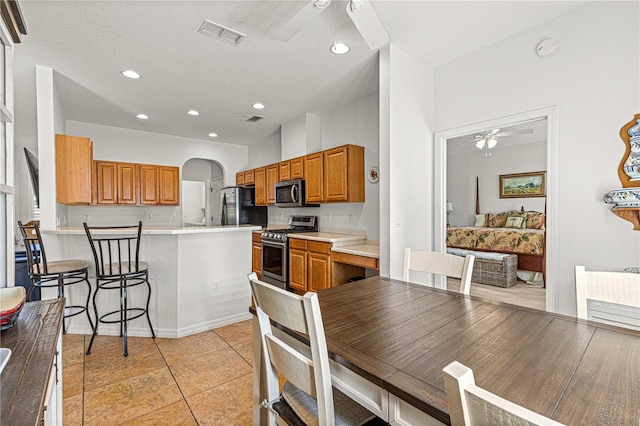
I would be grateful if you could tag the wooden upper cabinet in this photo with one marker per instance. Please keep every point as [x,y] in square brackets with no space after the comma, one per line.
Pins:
[169,185]
[344,174]
[240,178]
[106,182]
[249,177]
[149,178]
[313,177]
[284,171]
[260,189]
[271,180]
[297,168]
[127,183]
[74,169]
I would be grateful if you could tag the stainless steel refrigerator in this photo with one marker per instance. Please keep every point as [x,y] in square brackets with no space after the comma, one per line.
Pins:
[238,207]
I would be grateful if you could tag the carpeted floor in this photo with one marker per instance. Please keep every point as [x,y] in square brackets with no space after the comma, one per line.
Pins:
[521,293]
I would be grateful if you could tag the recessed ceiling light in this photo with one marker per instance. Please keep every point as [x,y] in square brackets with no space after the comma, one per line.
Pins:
[143,116]
[258,105]
[130,74]
[213,135]
[339,48]
[193,112]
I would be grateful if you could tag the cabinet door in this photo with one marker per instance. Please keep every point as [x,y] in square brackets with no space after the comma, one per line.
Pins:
[261,195]
[319,271]
[272,178]
[297,168]
[249,176]
[74,168]
[240,178]
[169,185]
[256,258]
[298,270]
[284,171]
[335,174]
[313,177]
[127,183]
[107,182]
[149,177]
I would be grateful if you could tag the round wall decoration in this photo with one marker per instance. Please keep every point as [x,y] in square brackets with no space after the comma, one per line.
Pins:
[374,174]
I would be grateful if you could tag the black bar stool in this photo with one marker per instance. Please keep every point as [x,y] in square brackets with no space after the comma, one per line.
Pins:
[58,273]
[116,252]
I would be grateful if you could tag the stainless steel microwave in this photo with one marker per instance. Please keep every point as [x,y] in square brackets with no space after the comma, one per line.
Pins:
[291,193]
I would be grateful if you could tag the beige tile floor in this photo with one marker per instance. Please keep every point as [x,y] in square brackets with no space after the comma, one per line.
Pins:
[203,379]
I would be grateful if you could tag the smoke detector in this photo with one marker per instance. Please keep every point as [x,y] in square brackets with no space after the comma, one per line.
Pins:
[220,32]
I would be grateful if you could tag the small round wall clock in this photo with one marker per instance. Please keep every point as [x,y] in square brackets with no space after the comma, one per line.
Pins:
[374,174]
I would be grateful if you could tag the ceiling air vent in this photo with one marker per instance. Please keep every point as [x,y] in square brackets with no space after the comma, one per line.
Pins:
[220,32]
[254,118]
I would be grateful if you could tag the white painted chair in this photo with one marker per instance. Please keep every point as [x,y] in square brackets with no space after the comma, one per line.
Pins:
[616,296]
[438,263]
[308,390]
[471,405]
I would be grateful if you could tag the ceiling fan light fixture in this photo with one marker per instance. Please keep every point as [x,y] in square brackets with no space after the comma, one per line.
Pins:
[354,5]
[339,48]
[492,142]
[322,4]
[480,144]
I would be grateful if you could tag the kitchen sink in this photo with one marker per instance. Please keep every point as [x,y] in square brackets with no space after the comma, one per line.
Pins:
[5,354]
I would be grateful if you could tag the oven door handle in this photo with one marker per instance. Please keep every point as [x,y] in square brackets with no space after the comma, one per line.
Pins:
[274,244]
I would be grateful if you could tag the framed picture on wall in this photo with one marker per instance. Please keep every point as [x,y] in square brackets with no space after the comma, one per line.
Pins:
[523,185]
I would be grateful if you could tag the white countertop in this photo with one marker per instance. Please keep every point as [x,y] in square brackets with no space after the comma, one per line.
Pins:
[366,250]
[160,230]
[328,237]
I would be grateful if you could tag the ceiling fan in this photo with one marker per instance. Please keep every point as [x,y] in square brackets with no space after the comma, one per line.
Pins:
[489,138]
[360,12]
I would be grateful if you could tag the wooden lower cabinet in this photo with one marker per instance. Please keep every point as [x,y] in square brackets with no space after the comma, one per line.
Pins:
[319,264]
[298,265]
[256,254]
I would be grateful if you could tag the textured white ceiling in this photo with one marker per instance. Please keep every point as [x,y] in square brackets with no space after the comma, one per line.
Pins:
[88,43]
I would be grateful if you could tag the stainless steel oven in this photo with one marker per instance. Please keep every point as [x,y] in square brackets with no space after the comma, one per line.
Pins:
[275,249]
[275,263]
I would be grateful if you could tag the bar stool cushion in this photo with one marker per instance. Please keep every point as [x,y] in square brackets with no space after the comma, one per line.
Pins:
[61,266]
[347,411]
[124,268]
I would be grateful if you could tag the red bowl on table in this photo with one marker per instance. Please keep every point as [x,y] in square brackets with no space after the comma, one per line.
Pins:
[11,302]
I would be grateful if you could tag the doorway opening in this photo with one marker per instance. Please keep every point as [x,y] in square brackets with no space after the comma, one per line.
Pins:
[469,162]
[202,180]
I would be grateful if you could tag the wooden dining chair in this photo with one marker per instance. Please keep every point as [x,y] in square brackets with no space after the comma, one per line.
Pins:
[307,392]
[608,297]
[438,263]
[471,405]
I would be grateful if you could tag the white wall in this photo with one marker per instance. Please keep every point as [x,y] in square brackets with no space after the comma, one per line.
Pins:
[462,169]
[264,151]
[593,80]
[301,136]
[406,157]
[357,124]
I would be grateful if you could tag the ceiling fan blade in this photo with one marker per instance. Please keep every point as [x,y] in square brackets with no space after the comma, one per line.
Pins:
[367,23]
[515,132]
[300,20]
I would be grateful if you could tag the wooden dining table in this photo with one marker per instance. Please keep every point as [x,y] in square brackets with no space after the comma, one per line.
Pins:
[398,337]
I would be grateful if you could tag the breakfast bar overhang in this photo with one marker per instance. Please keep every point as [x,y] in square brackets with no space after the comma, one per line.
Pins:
[198,277]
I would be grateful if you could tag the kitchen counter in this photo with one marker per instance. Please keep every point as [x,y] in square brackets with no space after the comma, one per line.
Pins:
[33,341]
[161,230]
[366,250]
[329,237]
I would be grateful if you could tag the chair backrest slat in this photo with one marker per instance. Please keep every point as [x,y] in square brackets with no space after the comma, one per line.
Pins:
[448,265]
[471,405]
[301,314]
[114,255]
[621,288]
[34,247]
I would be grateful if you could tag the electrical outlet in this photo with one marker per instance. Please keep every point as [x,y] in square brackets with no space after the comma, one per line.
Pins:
[350,218]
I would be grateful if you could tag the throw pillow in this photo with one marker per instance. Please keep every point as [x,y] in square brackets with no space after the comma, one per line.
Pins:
[515,222]
[481,220]
[496,220]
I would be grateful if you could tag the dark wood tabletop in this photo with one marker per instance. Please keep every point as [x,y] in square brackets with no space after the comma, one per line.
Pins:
[400,336]
[32,340]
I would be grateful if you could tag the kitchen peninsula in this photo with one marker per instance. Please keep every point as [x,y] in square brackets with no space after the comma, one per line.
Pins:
[198,277]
